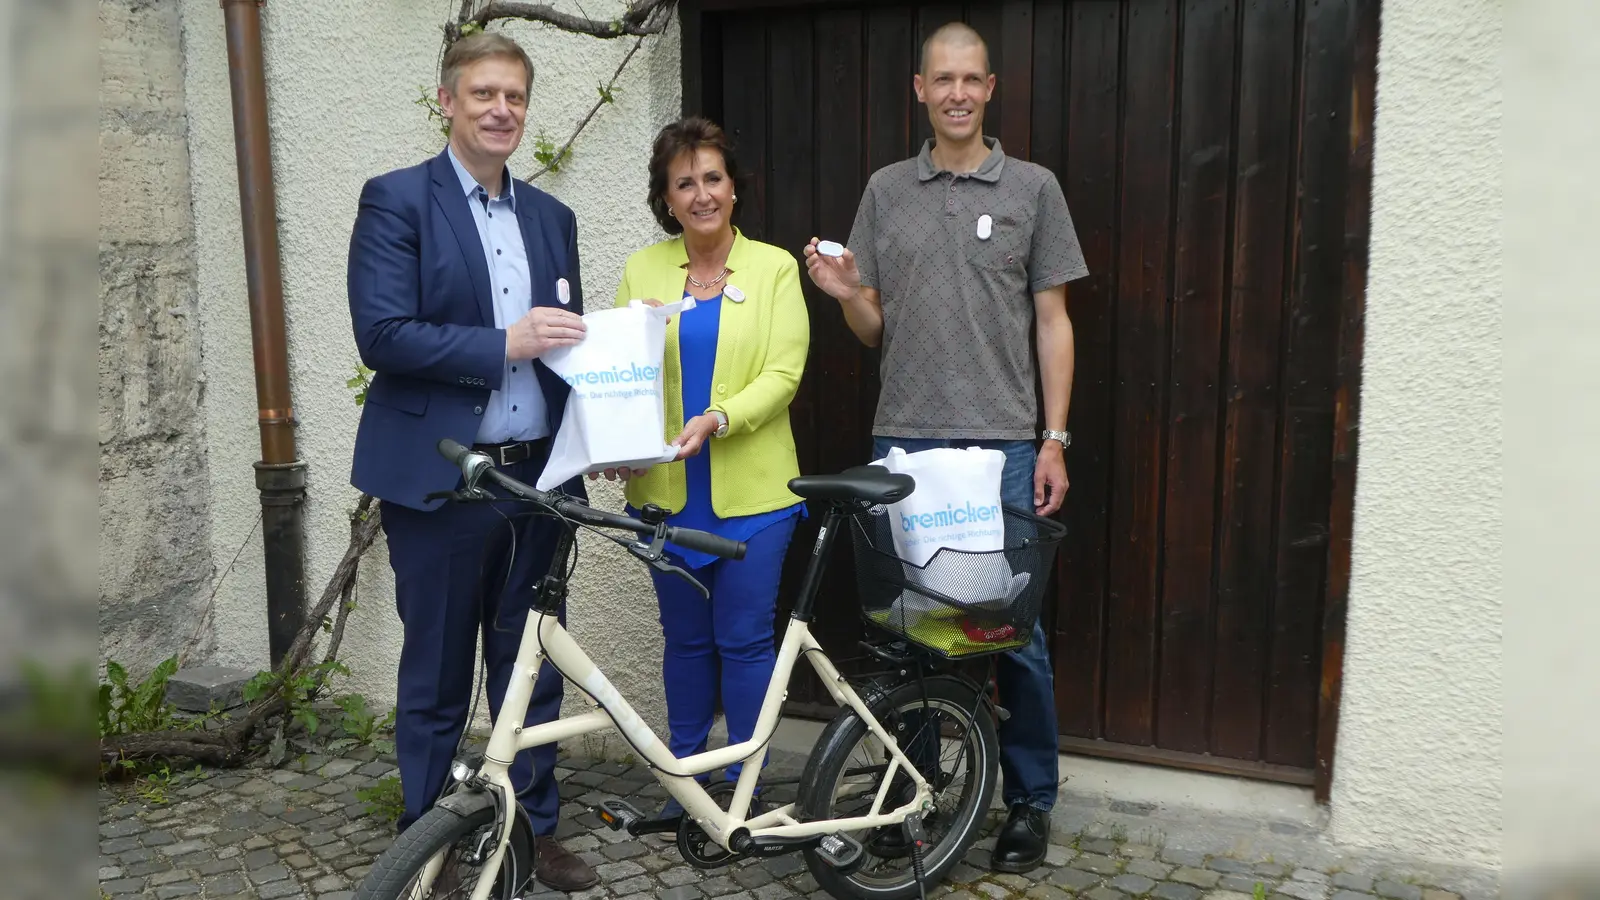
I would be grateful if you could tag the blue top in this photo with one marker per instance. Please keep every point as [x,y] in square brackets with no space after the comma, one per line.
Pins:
[697,351]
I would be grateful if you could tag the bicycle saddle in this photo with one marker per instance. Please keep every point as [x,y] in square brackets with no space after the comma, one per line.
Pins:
[869,484]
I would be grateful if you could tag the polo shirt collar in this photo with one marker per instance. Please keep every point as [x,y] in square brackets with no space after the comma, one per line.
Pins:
[470,186]
[989,170]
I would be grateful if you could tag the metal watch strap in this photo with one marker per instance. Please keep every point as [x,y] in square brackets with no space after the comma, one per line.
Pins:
[722,423]
[1064,438]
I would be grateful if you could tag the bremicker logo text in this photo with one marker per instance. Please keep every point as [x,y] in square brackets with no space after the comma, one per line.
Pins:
[949,516]
[633,373]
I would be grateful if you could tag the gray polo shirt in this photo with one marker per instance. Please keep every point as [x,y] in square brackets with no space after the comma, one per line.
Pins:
[958,360]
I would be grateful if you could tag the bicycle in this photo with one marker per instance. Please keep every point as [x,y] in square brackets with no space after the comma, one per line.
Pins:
[842,817]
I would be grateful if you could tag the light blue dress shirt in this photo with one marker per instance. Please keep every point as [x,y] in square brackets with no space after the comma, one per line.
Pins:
[516,412]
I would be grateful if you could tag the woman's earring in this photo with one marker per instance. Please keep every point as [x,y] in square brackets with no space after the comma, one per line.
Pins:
[736,198]
[670,212]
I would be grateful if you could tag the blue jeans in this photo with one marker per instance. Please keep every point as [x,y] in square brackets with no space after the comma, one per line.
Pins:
[724,642]
[1028,763]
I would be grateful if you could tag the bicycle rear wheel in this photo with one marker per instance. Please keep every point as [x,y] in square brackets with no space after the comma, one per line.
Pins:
[460,844]
[954,746]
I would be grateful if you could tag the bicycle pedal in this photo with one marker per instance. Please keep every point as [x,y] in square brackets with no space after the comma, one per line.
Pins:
[841,851]
[617,814]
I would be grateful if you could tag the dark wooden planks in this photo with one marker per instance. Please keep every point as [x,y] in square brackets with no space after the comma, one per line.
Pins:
[891,109]
[1015,84]
[1144,255]
[1246,515]
[1352,309]
[1308,383]
[744,115]
[1205,145]
[1091,121]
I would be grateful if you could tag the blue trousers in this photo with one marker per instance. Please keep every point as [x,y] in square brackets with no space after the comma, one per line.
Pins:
[453,584]
[1028,763]
[726,641]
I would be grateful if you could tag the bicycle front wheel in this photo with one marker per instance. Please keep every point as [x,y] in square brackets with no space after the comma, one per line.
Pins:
[442,855]
[950,738]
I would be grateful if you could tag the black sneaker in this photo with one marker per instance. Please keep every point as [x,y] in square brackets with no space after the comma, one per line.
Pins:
[1023,840]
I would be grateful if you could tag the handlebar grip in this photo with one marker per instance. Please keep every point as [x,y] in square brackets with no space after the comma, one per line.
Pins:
[706,543]
[452,450]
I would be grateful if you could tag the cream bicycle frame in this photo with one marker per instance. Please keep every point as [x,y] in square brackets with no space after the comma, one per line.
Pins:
[545,638]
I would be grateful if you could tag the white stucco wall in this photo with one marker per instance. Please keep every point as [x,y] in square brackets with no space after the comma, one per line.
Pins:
[1418,766]
[343,76]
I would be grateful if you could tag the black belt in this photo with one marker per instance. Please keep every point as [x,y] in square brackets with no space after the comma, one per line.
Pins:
[513,452]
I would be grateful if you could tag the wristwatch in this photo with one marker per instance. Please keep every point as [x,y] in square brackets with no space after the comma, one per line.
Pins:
[1064,437]
[722,423]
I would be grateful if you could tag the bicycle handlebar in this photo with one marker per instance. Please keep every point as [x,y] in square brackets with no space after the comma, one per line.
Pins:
[474,466]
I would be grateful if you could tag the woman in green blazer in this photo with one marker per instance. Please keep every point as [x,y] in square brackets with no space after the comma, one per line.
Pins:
[733,364]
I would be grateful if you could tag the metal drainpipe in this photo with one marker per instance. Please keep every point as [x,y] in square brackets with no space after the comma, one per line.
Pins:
[280,475]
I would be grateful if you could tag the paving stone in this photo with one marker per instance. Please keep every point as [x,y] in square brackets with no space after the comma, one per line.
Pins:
[784,866]
[1187,858]
[269,874]
[220,866]
[1014,882]
[184,848]
[200,831]
[137,855]
[618,871]
[1103,893]
[376,770]
[1136,851]
[995,891]
[259,858]
[1102,865]
[123,828]
[168,878]
[774,891]
[1149,868]
[624,850]
[110,873]
[158,815]
[749,877]
[1047,892]
[1243,883]
[1102,847]
[140,870]
[1196,877]
[961,873]
[1133,884]
[332,850]
[1305,890]
[118,845]
[299,861]
[680,875]
[1074,879]
[123,886]
[330,789]
[679,892]
[1271,870]
[655,863]
[1230,866]
[338,768]
[1352,895]
[1394,890]
[177,890]
[336,895]
[1311,875]
[1226,895]
[299,816]
[1127,808]
[717,887]
[328,883]
[279,889]
[227,884]
[1432,894]
[1352,882]
[1170,890]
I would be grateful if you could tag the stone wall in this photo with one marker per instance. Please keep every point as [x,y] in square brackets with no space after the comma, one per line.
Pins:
[155,549]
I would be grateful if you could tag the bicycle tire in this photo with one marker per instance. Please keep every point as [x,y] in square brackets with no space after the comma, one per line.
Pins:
[819,782]
[438,830]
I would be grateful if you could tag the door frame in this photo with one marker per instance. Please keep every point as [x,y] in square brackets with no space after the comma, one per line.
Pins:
[1346,436]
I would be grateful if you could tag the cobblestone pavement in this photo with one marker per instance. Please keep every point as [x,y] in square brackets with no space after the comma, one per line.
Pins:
[304,831]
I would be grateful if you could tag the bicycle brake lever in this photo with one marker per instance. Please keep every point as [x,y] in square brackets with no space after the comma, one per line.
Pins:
[664,566]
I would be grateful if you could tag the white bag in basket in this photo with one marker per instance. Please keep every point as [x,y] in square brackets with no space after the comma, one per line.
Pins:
[956,505]
[614,414]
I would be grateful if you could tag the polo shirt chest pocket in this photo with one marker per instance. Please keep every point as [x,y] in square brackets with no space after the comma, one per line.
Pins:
[1004,249]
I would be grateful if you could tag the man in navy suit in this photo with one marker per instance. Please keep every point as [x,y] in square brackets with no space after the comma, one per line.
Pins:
[460,278]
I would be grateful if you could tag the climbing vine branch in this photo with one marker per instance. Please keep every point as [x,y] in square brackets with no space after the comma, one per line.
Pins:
[640,19]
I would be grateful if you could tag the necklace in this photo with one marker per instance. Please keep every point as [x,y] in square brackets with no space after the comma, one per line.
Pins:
[706,284]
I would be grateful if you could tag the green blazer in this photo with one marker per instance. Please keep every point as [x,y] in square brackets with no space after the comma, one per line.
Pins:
[762,343]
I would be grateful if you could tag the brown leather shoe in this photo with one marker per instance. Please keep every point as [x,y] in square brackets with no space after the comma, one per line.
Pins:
[560,869]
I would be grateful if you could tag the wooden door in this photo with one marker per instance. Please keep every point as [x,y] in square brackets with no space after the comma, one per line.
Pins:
[1215,155]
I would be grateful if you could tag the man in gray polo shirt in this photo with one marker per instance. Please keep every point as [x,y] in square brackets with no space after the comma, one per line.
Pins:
[953,256]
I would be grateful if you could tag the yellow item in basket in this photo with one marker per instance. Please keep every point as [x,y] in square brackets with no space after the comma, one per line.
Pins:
[949,631]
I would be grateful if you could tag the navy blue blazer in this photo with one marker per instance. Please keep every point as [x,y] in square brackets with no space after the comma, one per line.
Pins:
[424,322]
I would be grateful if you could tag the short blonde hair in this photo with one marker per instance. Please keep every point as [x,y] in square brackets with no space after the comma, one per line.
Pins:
[478,46]
[956,34]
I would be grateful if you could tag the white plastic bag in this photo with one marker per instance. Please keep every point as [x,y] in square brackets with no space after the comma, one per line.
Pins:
[956,505]
[614,413]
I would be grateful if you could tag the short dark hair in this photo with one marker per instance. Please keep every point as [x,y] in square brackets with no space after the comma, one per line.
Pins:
[481,45]
[685,136]
[956,34]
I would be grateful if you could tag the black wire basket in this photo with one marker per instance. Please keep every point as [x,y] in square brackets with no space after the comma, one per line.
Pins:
[959,603]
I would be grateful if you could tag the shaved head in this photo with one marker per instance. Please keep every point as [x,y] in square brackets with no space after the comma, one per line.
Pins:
[956,35]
